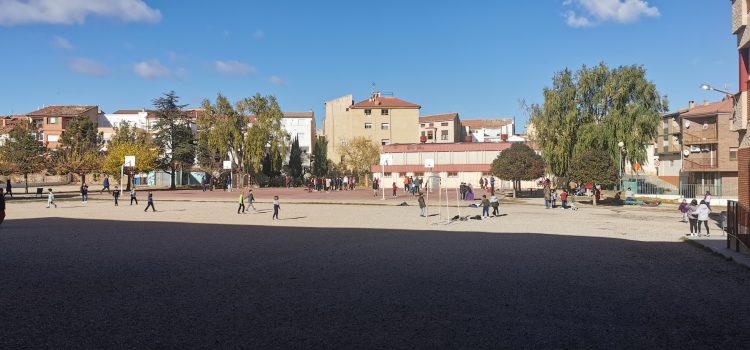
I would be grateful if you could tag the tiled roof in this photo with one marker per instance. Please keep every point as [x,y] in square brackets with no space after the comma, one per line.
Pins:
[486,123]
[61,111]
[436,169]
[438,118]
[131,111]
[446,147]
[723,106]
[384,102]
[299,114]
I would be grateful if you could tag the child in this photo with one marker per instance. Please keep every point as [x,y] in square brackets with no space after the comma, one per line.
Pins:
[250,200]
[50,198]
[564,199]
[703,211]
[683,208]
[133,196]
[116,194]
[485,206]
[276,207]
[394,188]
[150,202]
[242,204]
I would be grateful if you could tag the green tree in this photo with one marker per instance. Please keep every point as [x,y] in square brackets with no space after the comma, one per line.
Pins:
[517,163]
[173,136]
[596,107]
[266,138]
[22,154]
[221,132]
[360,153]
[295,160]
[593,166]
[130,141]
[320,157]
[80,149]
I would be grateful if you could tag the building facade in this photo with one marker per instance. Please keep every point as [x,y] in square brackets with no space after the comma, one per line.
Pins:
[382,119]
[488,130]
[709,150]
[53,120]
[301,125]
[668,149]
[454,163]
[440,128]
[740,15]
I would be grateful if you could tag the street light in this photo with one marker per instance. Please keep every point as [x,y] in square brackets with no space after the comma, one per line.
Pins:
[708,87]
[622,148]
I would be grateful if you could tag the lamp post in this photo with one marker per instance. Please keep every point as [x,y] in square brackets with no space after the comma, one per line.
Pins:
[622,148]
[708,87]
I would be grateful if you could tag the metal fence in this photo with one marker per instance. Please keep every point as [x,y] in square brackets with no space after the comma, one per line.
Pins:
[738,225]
[699,190]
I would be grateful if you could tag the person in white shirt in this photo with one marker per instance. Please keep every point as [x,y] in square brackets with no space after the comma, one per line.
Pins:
[629,194]
[703,211]
[707,199]
[495,204]
[50,198]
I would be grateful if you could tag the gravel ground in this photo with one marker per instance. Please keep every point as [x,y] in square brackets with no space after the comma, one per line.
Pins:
[196,275]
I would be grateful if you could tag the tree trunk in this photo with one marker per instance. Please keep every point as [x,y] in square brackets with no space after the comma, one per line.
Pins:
[83,179]
[130,180]
[25,180]
[172,175]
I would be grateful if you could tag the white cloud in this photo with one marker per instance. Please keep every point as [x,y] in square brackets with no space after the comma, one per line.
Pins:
[61,43]
[88,67]
[233,68]
[17,12]
[151,69]
[599,11]
[277,80]
[259,34]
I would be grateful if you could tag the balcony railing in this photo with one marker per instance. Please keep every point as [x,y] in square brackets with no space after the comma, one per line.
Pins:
[709,135]
[696,164]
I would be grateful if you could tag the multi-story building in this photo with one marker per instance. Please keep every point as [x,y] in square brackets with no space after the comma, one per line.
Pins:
[709,150]
[440,128]
[668,148]
[53,120]
[488,130]
[383,119]
[740,15]
[107,122]
[7,123]
[301,125]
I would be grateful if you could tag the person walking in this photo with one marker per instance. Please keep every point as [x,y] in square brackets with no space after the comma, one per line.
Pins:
[2,206]
[485,206]
[564,199]
[693,217]
[683,208]
[149,202]
[481,183]
[242,204]
[276,207]
[547,195]
[50,198]
[492,184]
[703,211]
[375,187]
[133,196]
[8,188]
[395,188]
[116,194]
[422,205]
[406,183]
[105,185]
[84,193]
[495,203]
[250,200]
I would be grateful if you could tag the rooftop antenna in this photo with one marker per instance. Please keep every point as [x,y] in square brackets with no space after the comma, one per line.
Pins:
[373,87]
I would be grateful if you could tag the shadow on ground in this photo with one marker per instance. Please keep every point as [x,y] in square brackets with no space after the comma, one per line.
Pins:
[107,284]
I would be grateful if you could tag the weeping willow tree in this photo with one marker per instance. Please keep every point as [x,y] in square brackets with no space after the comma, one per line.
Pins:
[222,132]
[596,108]
[266,138]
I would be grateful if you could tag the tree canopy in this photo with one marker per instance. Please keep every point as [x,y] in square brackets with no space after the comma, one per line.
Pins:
[596,107]
[173,136]
[130,141]
[295,159]
[79,151]
[517,163]
[22,154]
[360,153]
[320,157]
[221,134]
[593,166]
[266,138]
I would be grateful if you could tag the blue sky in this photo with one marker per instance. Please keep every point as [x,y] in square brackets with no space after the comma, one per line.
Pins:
[478,58]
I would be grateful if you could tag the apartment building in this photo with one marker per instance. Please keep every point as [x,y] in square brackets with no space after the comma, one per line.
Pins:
[709,150]
[668,148]
[383,119]
[440,128]
[301,125]
[740,15]
[53,120]
[488,130]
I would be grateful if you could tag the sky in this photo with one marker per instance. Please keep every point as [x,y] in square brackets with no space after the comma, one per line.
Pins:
[478,58]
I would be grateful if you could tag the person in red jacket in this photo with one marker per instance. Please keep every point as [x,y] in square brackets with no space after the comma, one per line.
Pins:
[564,199]
[394,188]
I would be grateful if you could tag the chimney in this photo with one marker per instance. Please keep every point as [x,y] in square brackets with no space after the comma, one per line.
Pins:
[691,104]
[705,102]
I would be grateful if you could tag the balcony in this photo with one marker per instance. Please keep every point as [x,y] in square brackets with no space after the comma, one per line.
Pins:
[670,149]
[701,136]
[700,164]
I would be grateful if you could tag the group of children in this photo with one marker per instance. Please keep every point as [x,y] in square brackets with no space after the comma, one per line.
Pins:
[696,214]
[116,194]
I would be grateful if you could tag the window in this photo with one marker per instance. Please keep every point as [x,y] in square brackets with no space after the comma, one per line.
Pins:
[423,125]
[732,153]
[444,134]
[383,112]
[452,174]
[429,135]
[52,120]
[385,142]
[53,138]
[444,124]
[40,137]
[385,126]
[387,174]
[368,125]
[368,111]
[420,174]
